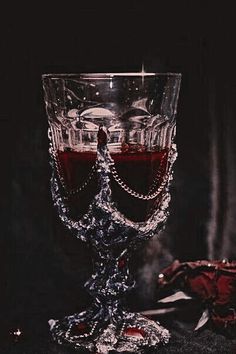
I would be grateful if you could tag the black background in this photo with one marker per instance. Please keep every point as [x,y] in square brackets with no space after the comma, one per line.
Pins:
[42,277]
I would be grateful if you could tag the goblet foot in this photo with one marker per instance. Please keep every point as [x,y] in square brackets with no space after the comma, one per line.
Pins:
[131,332]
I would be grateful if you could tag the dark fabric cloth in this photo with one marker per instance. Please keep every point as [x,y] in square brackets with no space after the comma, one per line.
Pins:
[183,340]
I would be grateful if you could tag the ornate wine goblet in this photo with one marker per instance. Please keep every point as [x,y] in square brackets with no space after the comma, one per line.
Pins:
[112,150]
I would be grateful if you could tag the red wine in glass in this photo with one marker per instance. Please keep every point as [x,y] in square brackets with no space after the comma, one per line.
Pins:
[140,171]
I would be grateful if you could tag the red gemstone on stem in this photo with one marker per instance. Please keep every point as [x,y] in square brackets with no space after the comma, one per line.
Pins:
[79,329]
[134,332]
[121,263]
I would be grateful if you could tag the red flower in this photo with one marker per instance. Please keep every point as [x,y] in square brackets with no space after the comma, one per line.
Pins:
[212,282]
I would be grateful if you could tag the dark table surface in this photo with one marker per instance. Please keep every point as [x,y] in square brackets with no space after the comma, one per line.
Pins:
[36,340]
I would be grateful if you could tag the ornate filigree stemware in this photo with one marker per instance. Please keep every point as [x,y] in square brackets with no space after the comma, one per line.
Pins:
[112,150]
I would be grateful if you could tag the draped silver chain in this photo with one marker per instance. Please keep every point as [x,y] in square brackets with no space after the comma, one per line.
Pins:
[149,195]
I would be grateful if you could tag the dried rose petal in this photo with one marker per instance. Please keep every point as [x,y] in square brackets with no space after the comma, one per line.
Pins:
[213,282]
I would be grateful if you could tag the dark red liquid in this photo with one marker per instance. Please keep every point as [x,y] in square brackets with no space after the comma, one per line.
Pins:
[138,170]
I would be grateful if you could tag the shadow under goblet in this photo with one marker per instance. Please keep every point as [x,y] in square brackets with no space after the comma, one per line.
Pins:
[112,151]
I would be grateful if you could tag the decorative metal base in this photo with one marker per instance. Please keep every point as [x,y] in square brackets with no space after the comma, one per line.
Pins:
[132,334]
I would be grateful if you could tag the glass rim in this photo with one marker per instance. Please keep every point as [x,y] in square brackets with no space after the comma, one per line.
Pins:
[102,76]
